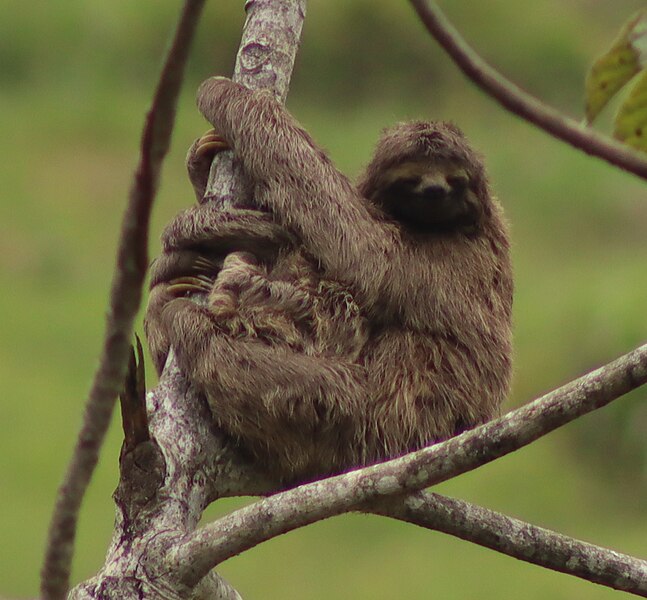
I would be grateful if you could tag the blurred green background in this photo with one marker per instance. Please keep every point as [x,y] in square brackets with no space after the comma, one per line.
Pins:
[75,82]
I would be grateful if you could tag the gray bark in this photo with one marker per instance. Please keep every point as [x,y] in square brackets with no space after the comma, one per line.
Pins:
[166,483]
[357,490]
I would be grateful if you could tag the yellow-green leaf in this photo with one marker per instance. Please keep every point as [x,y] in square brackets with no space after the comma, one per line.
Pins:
[631,120]
[611,71]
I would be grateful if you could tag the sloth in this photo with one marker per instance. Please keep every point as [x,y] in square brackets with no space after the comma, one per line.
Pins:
[259,284]
[419,248]
[268,292]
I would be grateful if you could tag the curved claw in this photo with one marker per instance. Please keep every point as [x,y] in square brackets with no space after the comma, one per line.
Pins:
[210,143]
[203,264]
[183,286]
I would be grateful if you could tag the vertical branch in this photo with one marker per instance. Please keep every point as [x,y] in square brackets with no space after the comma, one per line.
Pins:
[166,482]
[125,299]
[265,60]
[266,55]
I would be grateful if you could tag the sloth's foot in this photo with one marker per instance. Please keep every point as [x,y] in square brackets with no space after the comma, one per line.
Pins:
[201,280]
[187,286]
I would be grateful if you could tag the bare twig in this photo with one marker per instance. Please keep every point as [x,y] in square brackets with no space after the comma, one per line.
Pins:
[521,103]
[125,298]
[309,503]
[519,540]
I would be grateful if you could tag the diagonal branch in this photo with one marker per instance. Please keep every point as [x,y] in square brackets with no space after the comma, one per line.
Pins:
[518,539]
[521,103]
[309,503]
[125,299]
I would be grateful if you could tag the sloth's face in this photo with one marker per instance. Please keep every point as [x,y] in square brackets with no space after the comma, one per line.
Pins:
[430,196]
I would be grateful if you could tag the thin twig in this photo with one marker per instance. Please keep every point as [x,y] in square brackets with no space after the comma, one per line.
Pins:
[295,508]
[125,299]
[521,103]
[520,540]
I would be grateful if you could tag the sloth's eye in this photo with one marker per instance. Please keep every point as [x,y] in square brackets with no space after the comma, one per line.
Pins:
[402,185]
[407,182]
[458,183]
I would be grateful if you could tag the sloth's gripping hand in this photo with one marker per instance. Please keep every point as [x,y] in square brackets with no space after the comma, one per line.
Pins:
[199,159]
[168,272]
[196,242]
[217,231]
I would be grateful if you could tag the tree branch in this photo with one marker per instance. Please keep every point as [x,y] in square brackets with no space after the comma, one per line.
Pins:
[165,483]
[125,299]
[265,59]
[164,487]
[295,508]
[518,539]
[521,103]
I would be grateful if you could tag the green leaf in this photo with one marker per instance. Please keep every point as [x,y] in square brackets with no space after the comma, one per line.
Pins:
[611,71]
[631,120]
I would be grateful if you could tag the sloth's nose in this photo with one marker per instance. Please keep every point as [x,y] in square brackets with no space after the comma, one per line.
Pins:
[433,186]
[435,191]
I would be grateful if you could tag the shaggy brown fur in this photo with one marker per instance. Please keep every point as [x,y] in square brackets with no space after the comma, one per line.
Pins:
[419,250]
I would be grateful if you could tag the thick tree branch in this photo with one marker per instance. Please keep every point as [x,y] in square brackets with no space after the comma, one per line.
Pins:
[520,540]
[125,299]
[316,501]
[521,103]
[165,483]
[164,487]
[265,59]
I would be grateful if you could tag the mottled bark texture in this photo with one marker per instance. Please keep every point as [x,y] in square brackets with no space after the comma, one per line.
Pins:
[520,540]
[166,483]
[265,59]
[125,300]
[306,504]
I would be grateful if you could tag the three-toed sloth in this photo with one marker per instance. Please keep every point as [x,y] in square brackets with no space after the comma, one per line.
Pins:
[345,324]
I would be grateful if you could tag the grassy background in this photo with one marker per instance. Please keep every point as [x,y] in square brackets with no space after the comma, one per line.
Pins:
[75,81]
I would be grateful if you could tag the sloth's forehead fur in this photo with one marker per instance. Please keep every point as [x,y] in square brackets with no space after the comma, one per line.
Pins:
[416,145]
[436,140]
